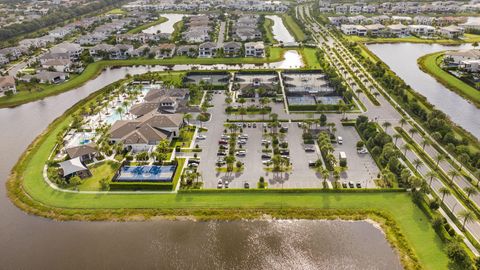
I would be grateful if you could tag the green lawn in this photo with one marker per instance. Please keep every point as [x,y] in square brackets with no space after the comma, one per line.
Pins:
[310,57]
[430,64]
[293,27]
[267,25]
[43,200]
[93,69]
[105,169]
[411,39]
[145,26]
[117,11]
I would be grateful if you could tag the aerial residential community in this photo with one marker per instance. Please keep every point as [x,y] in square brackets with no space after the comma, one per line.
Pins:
[247,134]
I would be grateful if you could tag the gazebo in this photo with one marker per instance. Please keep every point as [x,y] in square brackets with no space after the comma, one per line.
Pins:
[74,167]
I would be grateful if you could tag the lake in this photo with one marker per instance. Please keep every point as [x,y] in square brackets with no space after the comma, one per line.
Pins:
[402,59]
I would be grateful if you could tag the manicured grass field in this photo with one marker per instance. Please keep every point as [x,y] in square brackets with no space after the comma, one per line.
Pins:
[430,64]
[411,221]
[103,170]
[267,25]
[310,57]
[145,26]
[117,11]
[468,38]
[293,27]
[93,69]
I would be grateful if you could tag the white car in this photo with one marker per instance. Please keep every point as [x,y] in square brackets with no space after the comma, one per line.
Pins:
[267,162]
[241,153]
[265,142]
[362,151]
[220,183]
[201,137]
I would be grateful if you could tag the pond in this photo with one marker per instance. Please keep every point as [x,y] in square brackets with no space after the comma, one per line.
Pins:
[165,27]
[279,31]
[402,59]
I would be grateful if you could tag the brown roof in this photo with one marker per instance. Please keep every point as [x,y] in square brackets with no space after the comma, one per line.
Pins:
[154,94]
[143,108]
[7,81]
[81,150]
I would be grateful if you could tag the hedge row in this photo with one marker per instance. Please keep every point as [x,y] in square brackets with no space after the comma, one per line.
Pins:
[115,186]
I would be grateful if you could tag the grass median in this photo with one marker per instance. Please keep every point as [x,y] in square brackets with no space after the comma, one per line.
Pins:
[407,228]
[430,64]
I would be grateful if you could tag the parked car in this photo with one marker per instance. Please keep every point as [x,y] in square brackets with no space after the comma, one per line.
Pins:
[309,148]
[226,184]
[266,156]
[241,153]
[340,140]
[223,142]
[359,185]
[344,184]
[351,185]
[255,126]
[249,125]
[362,151]
[221,153]
[220,183]
[242,142]
[225,137]
[246,185]
[265,142]
[311,163]
[284,152]
[267,162]
[201,137]
[220,162]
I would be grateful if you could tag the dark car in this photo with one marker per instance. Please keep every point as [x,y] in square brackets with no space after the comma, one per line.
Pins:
[359,185]
[284,152]
[221,154]
[351,185]
[222,142]
[266,156]
[312,163]
[246,185]
[344,184]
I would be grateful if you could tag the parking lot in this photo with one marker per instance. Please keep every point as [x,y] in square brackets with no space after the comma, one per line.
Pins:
[361,167]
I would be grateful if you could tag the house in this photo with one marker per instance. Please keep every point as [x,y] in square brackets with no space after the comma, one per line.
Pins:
[196,36]
[86,152]
[207,49]
[7,83]
[162,100]
[451,31]
[421,30]
[46,57]
[456,57]
[349,29]
[91,39]
[374,29]
[73,50]
[165,50]
[46,77]
[59,65]
[470,65]
[119,51]
[189,50]
[398,29]
[144,133]
[232,48]
[255,49]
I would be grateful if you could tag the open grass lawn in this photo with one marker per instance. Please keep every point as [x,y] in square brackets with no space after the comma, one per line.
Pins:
[102,170]
[145,26]
[267,25]
[430,64]
[310,57]
[93,69]
[293,27]
[117,11]
[412,39]
[28,173]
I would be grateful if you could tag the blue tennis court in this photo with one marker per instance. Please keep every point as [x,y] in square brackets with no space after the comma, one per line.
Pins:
[146,173]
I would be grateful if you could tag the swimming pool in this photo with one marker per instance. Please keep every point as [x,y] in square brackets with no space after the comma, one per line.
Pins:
[152,173]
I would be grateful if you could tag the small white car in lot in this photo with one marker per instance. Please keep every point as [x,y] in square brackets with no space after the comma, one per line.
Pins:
[201,137]
[362,151]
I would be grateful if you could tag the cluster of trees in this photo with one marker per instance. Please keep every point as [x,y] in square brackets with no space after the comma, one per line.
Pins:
[435,121]
[59,15]
[383,150]
[326,149]
[334,80]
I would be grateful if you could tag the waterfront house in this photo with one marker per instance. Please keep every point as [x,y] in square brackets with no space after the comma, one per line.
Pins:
[188,50]
[232,48]
[7,83]
[470,65]
[451,31]
[398,30]
[207,49]
[421,30]
[59,65]
[456,57]
[165,50]
[73,50]
[86,152]
[46,77]
[255,49]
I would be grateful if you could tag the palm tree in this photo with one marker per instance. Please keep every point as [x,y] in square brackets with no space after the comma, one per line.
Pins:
[187,117]
[470,191]
[325,175]
[425,142]
[396,136]
[439,158]
[412,132]
[405,148]
[463,159]
[119,110]
[445,192]
[430,175]
[386,125]
[417,163]
[467,216]
[453,174]
[402,122]
[241,101]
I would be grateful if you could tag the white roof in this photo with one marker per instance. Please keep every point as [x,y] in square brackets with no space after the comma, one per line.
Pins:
[72,166]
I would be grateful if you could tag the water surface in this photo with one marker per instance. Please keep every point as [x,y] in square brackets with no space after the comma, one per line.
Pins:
[165,27]
[279,31]
[402,59]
